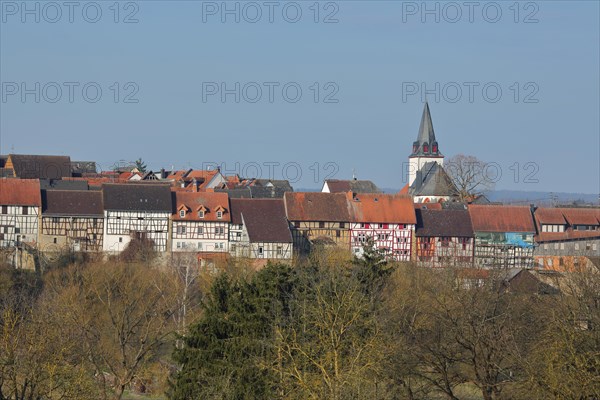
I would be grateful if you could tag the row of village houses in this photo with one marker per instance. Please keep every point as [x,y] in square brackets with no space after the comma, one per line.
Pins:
[34,214]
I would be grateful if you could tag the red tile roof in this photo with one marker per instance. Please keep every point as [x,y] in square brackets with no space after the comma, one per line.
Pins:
[582,216]
[568,217]
[20,192]
[550,216]
[314,206]
[387,208]
[193,201]
[499,218]
[428,206]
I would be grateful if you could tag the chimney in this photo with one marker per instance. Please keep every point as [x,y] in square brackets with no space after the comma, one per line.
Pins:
[195,185]
[163,174]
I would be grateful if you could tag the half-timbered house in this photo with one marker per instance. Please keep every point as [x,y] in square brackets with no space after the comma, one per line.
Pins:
[72,220]
[445,238]
[503,236]
[318,218]
[20,204]
[566,238]
[136,210]
[386,220]
[200,222]
[260,229]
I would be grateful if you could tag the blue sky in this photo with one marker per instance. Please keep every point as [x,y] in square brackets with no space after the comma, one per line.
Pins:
[543,56]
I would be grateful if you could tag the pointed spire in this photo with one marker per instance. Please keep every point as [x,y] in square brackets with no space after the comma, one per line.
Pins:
[426,142]
[426,133]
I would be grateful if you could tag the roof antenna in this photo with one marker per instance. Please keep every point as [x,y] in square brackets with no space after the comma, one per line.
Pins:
[353,174]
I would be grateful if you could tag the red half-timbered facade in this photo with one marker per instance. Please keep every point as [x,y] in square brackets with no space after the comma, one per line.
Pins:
[388,220]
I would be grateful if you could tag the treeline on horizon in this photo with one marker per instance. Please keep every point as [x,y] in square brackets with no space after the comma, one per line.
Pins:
[328,327]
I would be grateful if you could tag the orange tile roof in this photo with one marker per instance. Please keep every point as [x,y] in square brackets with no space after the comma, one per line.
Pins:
[550,216]
[20,192]
[499,218]
[316,206]
[569,217]
[428,206]
[193,201]
[582,216]
[387,208]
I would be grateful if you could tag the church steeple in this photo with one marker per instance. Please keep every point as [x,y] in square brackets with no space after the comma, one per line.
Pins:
[426,144]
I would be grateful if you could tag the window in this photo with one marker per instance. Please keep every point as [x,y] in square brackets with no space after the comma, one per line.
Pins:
[321,224]
[425,148]
[219,214]
[561,262]
[260,250]
[233,248]
[562,246]
[594,247]
[201,214]
[297,224]
[338,233]
[576,246]
[120,240]
[279,250]
[342,225]
[200,230]
[180,229]
[445,240]
[178,245]
[356,249]
[54,240]
[199,246]
[181,213]
[4,209]
[386,226]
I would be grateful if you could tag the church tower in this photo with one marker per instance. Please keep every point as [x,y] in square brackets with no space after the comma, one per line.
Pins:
[425,149]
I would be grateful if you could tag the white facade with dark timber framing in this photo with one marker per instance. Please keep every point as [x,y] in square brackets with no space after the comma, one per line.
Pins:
[20,206]
[136,210]
[261,229]
[200,222]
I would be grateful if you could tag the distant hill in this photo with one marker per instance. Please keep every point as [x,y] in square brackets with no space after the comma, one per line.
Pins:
[524,197]
[519,197]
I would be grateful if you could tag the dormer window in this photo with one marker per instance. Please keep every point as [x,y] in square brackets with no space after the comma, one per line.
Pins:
[219,214]
[181,213]
[200,213]
[425,148]
[434,148]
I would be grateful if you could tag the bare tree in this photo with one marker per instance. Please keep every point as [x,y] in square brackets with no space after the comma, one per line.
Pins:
[471,176]
[121,314]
